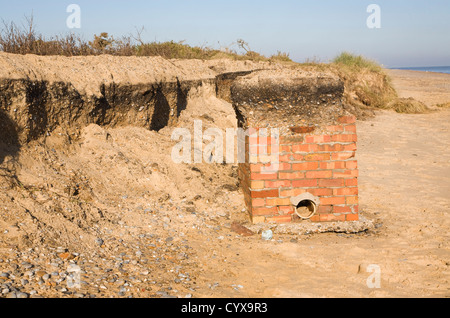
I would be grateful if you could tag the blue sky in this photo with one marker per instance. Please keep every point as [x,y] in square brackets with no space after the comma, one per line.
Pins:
[412,33]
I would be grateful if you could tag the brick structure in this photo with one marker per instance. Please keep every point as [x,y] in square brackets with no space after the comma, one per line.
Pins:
[313,154]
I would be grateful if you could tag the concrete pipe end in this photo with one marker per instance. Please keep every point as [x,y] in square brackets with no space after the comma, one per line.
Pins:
[306,205]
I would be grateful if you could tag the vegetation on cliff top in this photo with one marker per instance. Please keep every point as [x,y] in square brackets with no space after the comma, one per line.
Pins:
[27,40]
[367,86]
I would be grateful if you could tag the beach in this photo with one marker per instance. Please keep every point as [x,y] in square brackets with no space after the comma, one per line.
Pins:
[136,224]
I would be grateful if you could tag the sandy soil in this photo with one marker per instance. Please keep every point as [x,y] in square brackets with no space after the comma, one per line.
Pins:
[428,87]
[404,187]
[139,225]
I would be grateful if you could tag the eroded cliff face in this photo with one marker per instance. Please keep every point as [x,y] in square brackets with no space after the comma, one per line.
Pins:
[77,135]
[39,94]
[287,98]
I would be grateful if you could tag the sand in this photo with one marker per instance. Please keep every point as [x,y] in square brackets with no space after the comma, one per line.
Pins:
[168,229]
[428,87]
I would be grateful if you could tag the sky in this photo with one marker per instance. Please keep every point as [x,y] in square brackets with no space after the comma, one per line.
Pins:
[412,33]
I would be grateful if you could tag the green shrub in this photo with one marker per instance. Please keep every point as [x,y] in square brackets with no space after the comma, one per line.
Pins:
[356,62]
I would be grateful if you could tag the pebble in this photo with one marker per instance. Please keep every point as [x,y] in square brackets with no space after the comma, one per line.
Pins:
[267,235]
[135,263]
[27,265]
[22,295]
[40,273]
[60,250]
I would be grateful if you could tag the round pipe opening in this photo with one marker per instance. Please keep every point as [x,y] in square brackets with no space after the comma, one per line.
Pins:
[306,209]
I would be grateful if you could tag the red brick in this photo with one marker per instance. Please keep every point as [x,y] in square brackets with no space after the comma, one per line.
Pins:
[352,200]
[331,183]
[344,138]
[264,176]
[305,183]
[350,147]
[291,175]
[325,209]
[330,148]
[277,184]
[283,166]
[322,174]
[288,209]
[342,209]
[332,218]
[304,148]
[345,191]
[317,139]
[258,202]
[305,166]
[298,157]
[351,164]
[256,167]
[347,120]
[266,150]
[350,128]
[285,149]
[278,201]
[269,140]
[342,155]
[264,211]
[265,194]
[285,158]
[332,165]
[351,182]
[352,217]
[317,157]
[262,141]
[257,185]
[321,192]
[345,174]
[253,141]
[266,168]
[332,201]
[335,128]
[292,192]
[279,219]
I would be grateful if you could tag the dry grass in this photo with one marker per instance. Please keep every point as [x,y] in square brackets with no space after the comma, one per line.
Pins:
[367,84]
[27,40]
[356,62]
[444,105]
[408,106]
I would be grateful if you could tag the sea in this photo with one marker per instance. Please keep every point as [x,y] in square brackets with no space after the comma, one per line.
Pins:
[435,69]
